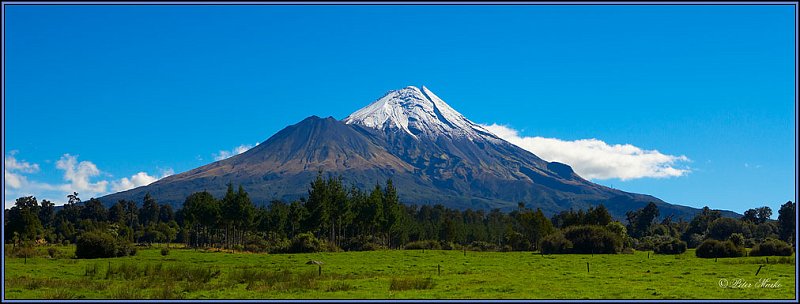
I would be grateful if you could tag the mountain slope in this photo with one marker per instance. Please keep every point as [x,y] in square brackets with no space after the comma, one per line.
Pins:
[432,153]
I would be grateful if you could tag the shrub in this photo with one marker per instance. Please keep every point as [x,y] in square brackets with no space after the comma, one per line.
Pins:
[427,244]
[673,246]
[52,252]
[279,246]
[694,240]
[717,249]
[362,243]
[644,244]
[305,243]
[330,246]
[628,250]
[24,251]
[722,228]
[96,244]
[651,241]
[518,241]
[593,239]
[125,248]
[450,246]
[771,247]
[99,244]
[482,246]
[555,243]
[256,244]
[737,239]
[164,251]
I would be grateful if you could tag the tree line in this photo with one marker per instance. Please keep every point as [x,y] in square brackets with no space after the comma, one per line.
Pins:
[336,217]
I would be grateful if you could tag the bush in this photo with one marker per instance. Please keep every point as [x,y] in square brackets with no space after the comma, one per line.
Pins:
[644,244]
[555,243]
[279,246]
[52,252]
[125,248]
[96,244]
[450,246]
[772,247]
[749,243]
[651,241]
[717,249]
[737,239]
[722,228]
[518,242]
[164,251]
[593,239]
[99,244]
[362,243]
[305,243]
[255,243]
[673,246]
[482,246]
[330,246]
[427,244]
[694,240]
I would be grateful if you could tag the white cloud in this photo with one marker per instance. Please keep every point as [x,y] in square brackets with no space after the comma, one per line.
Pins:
[138,180]
[19,165]
[223,154]
[79,173]
[77,177]
[595,159]
[13,173]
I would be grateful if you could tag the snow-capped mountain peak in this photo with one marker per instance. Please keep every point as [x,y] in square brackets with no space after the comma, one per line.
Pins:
[418,112]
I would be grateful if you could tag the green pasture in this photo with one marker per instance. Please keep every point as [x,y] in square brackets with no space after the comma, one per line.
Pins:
[396,274]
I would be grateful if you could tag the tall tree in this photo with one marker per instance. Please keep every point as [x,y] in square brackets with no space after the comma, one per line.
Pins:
[150,210]
[787,217]
[165,213]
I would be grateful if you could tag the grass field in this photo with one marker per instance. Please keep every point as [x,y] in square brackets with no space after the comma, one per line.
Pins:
[396,274]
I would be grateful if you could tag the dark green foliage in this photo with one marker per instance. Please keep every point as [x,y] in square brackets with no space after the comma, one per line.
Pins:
[737,239]
[699,224]
[99,244]
[639,221]
[362,243]
[482,246]
[722,228]
[52,252]
[518,241]
[555,243]
[426,244]
[593,239]
[718,249]
[305,242]
[787,217]
[674,246]
[772,247]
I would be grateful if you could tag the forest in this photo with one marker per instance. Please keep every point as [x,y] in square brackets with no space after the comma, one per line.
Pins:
[334,217]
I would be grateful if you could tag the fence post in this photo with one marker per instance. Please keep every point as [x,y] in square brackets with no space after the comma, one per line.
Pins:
[439,269]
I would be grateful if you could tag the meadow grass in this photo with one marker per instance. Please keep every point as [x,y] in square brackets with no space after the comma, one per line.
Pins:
[395,274]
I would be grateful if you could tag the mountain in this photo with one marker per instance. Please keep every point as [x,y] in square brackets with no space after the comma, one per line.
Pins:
[432,153]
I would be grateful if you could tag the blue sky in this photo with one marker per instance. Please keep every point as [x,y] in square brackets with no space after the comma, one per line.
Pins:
[98,94]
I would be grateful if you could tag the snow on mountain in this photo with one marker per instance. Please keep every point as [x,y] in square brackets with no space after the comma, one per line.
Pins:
[418,112]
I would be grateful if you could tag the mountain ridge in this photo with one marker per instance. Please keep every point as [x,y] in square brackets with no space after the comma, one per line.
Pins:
[432,153]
